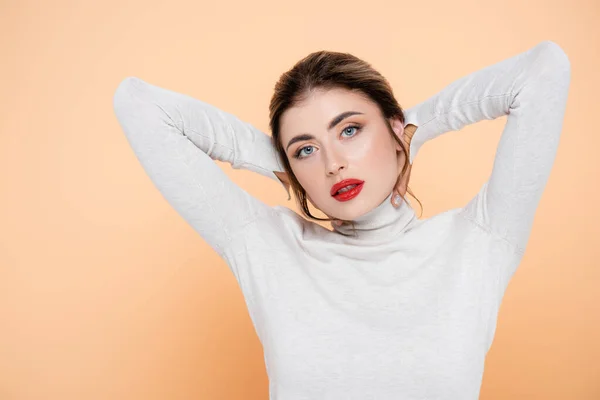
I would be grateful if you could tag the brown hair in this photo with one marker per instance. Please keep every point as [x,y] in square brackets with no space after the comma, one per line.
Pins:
[327,70]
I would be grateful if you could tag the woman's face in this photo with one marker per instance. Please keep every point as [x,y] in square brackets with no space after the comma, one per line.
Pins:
[359,146]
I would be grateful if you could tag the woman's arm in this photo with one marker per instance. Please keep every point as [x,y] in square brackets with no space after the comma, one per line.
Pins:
[176,138]
[531,89]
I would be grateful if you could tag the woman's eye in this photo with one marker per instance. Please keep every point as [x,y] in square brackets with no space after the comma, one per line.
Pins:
[350,127]
[346,130]
[299,152]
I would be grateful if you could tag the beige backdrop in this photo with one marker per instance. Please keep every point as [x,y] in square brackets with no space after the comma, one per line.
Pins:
[106,293]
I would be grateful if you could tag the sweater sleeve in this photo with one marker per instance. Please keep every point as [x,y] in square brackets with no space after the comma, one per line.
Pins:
[531,89]
[176,138]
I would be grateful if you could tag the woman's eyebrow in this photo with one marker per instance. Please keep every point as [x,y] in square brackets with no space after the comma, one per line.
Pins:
[332,124]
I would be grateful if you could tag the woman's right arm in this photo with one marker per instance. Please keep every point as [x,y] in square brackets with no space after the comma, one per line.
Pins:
[176,138]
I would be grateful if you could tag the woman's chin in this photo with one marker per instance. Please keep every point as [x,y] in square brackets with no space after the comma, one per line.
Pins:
[348,211]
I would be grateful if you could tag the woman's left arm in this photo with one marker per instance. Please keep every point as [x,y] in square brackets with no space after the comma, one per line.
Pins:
[531,89]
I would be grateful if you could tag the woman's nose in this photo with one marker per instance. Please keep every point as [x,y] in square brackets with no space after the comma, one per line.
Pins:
[334,163]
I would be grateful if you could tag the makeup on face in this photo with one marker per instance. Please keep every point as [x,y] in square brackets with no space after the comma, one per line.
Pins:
[339,137]
[334,122]
[347,189]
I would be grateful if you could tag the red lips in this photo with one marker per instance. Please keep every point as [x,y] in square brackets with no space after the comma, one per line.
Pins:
[343,184]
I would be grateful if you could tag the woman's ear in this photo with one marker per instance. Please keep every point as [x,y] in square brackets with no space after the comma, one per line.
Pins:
[398,128]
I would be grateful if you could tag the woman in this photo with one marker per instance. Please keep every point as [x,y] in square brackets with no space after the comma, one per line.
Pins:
[384,305]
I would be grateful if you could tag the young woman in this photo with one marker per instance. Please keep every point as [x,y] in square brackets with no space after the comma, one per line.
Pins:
[384,305]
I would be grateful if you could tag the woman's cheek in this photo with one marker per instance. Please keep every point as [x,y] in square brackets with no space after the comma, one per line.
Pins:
[307,172]
[362,150]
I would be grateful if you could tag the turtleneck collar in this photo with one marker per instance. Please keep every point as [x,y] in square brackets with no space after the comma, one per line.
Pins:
[384,221]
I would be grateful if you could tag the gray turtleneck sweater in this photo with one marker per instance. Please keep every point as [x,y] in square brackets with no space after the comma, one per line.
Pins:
[407,308]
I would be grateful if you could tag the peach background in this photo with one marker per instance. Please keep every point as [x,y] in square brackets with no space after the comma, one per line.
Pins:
[106,293]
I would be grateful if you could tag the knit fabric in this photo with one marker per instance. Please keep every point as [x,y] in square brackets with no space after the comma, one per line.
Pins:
[407,307]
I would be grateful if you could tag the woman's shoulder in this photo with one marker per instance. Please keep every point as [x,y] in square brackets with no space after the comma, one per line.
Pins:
[297,224]
[283,221]
[455,228]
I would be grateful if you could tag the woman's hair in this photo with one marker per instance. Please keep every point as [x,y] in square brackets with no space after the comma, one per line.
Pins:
[328,70]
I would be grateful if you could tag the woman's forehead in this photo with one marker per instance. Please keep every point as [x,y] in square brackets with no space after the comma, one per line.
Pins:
[322,99]
[320,106]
